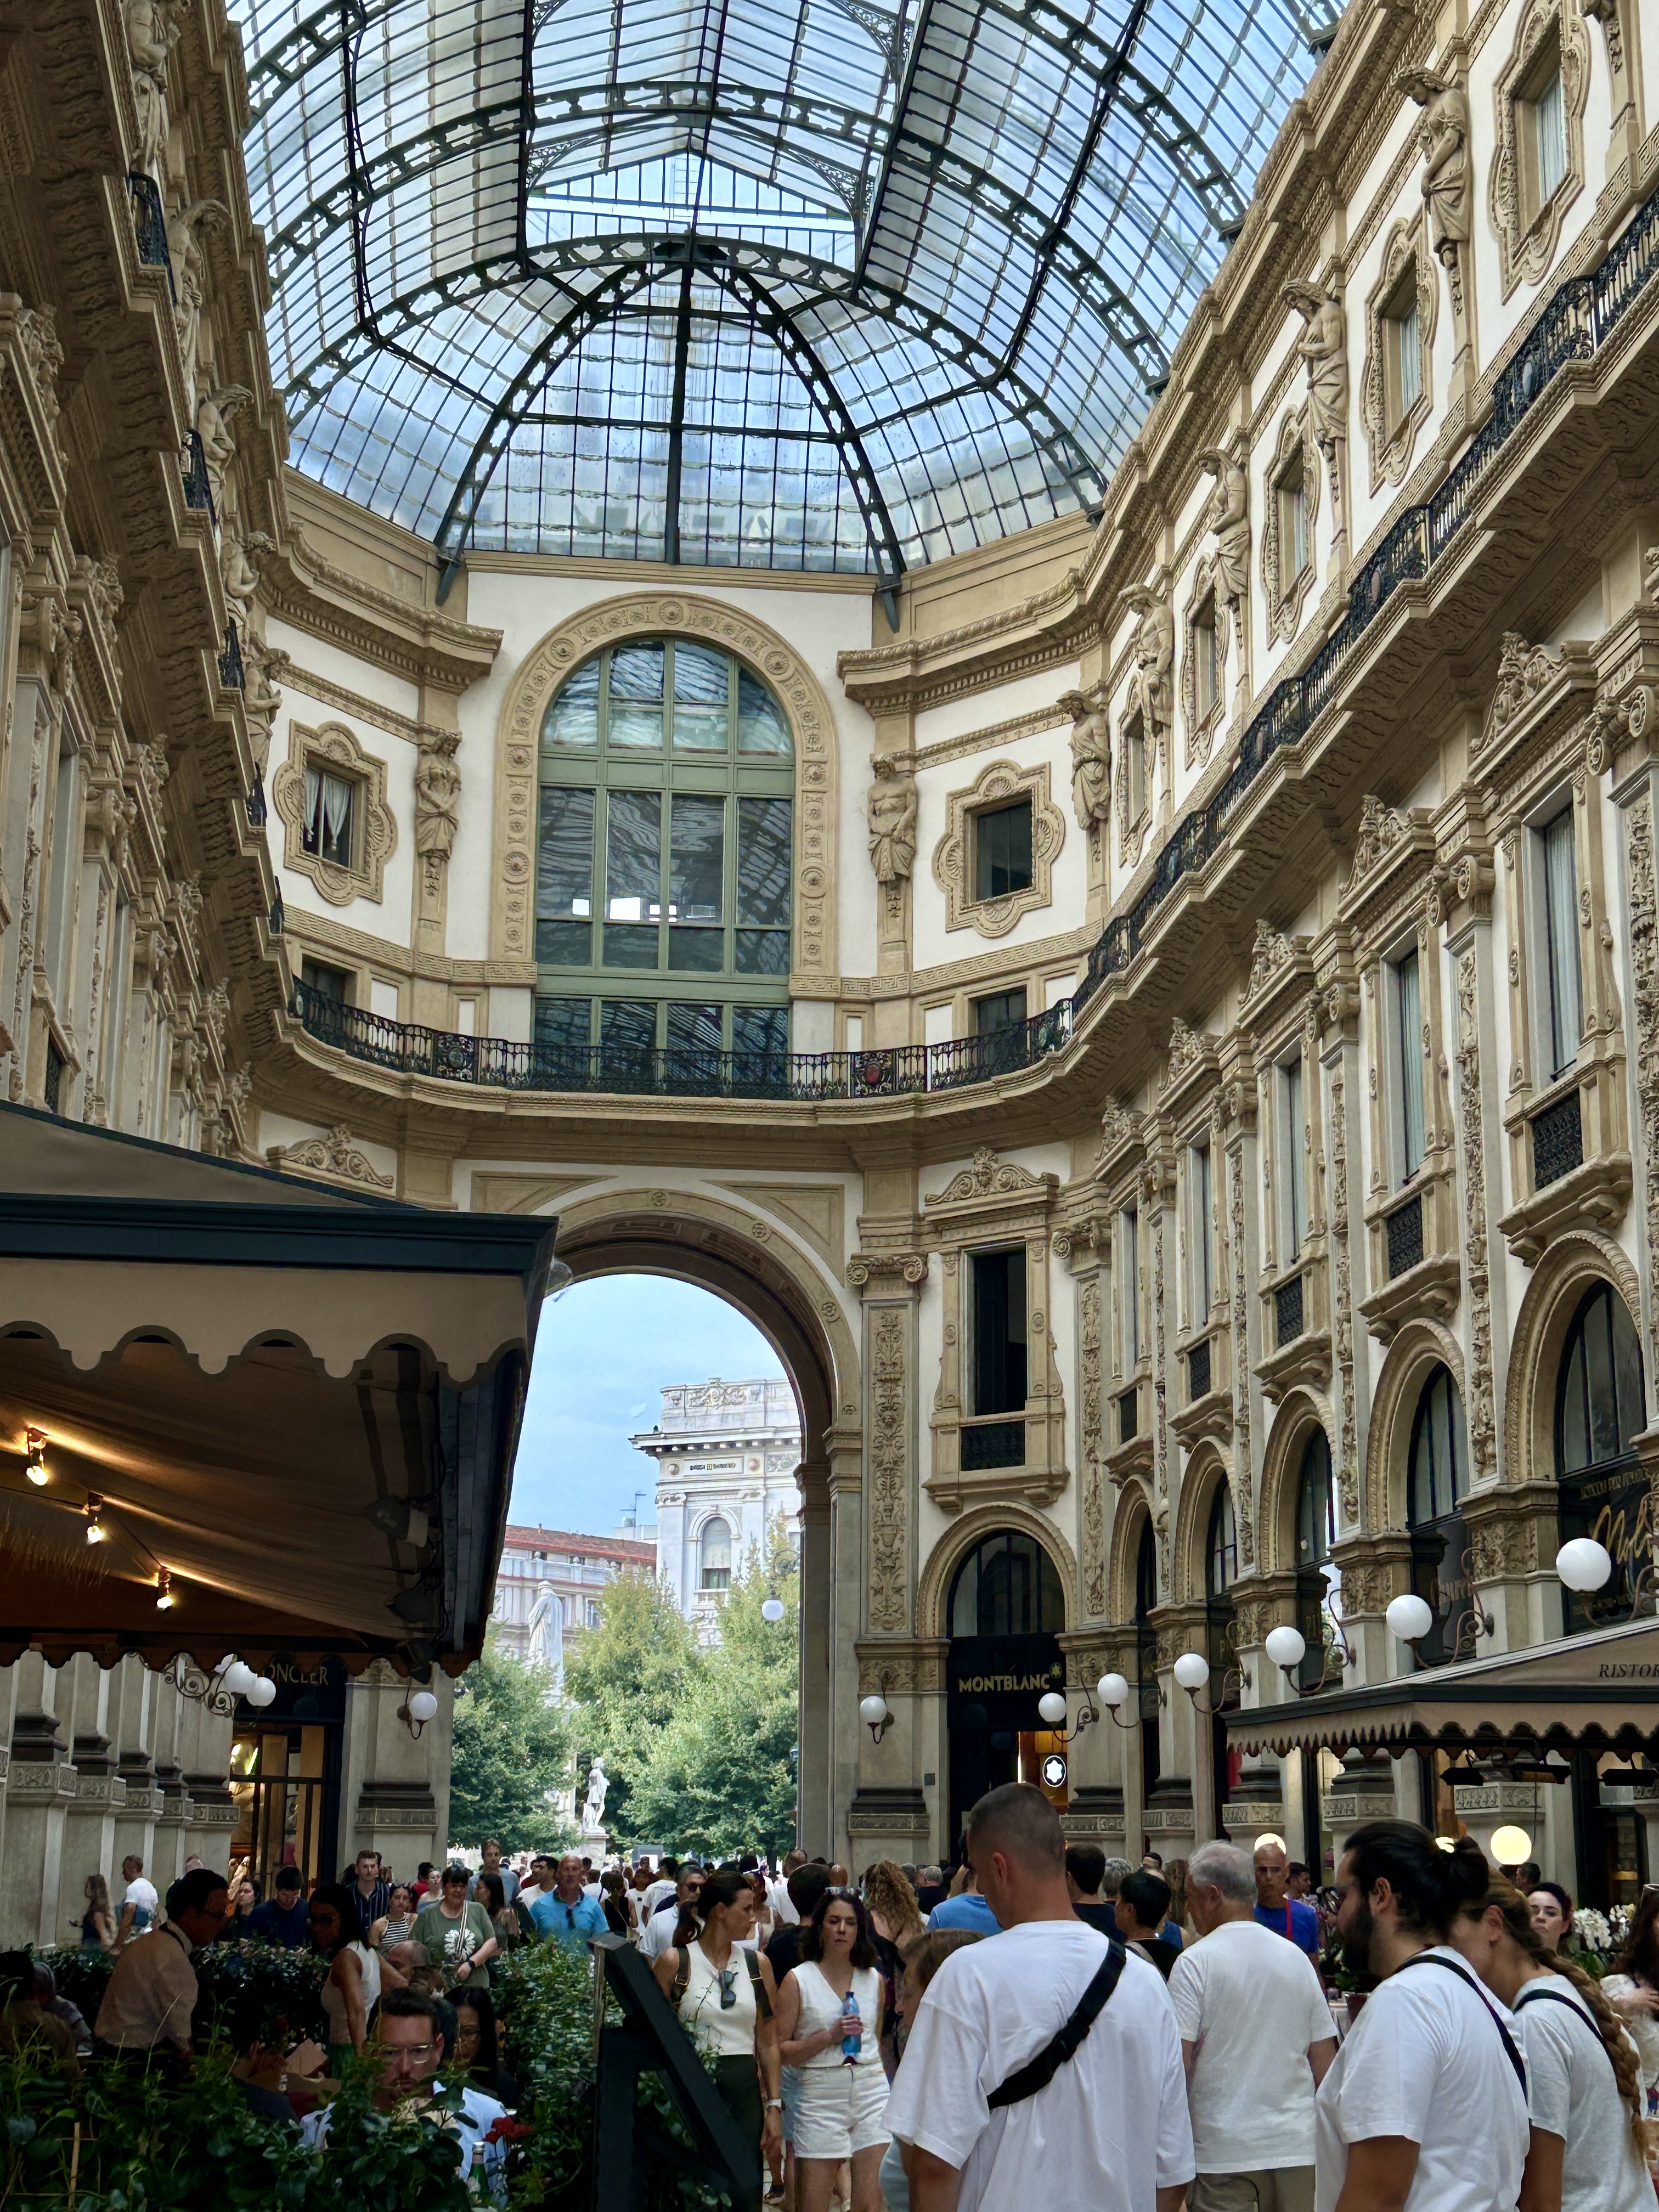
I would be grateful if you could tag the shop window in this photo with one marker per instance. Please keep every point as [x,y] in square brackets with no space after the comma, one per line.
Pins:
[1603,1489]
[1560,873]
[1002,849]
[1007,1586]
[715,1556]
[1436,1484]
[1221,1641]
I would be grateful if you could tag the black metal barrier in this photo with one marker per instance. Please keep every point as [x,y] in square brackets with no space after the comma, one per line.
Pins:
[628,2145]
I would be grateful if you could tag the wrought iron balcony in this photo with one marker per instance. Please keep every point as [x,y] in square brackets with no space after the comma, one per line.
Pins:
[1288,1319]
[149,224]
[1198,1371]
[1558,1141]
[1405,1235]
[256,802]
[193,466]
[231,674]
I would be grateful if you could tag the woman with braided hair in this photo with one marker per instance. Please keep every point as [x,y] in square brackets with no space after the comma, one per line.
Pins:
[1589,2140]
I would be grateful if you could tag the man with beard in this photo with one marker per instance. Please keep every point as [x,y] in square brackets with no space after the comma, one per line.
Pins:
[1425,2106]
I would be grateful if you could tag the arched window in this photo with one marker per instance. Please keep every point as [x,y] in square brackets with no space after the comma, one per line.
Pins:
[1007,1586]
[664,862]
[1316,1533]
[1436,1483]
[1221,1553]
[715,1556]
[1599,1408]
[1146,1656]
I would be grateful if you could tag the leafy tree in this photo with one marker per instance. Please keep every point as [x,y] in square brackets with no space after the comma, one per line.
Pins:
[513,1747]
[719,1777]
[628,1678]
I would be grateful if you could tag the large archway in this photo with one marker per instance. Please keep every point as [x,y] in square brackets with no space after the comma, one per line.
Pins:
[1004,1608]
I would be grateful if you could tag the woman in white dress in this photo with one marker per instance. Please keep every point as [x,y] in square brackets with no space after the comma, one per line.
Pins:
[1632,1988]
[842,2111]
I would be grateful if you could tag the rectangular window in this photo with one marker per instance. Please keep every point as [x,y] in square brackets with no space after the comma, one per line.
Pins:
[1408,1003]
[327,982]
[1561,939]
[1207,658]
[1199,1231]
[764,850]
[696,883]
[999,1010]
[999,1329]
[628,1032]
[636,703]
[761,1030]
[1293,1179]
[564,1025]
[1549,135]
[1002,848]
[1127,1270]
[702,683]
[564,878]
[331,807]
[1404,361]
[65,866]
[1291,492]
[633,878]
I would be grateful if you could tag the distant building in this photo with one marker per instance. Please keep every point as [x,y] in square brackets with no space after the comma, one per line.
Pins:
[548,1586]
[727,1454]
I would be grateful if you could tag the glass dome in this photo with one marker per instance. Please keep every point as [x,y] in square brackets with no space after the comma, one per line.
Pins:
[815,284]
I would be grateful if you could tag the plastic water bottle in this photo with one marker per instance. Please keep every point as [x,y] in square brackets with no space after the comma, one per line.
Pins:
[850,2042]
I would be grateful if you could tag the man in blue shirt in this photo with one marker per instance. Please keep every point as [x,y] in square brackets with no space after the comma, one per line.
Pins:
[1276,1908]
[565,1914]
[282,1919]
[967,1909]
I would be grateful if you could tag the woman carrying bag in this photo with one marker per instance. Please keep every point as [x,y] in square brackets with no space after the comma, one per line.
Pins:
[722,1991]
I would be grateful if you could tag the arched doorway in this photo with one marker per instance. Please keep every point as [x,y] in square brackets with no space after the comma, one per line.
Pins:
[1602,1489]
[1006,1610]
[1221,1641]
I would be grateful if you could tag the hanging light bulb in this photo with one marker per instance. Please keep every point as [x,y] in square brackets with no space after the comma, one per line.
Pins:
[95,1531]
[165,1601]
[34,1458]
[772,1609]
[237,1679]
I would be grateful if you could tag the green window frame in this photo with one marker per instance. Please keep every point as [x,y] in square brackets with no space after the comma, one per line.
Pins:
[665,854]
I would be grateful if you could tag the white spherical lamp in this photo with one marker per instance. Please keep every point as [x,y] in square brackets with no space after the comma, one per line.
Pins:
[1052,1706]
[1112,1690]
[262,1690]
[1584,1564]
[1286,1647]
[1510,1846]
[423,1707]
[772,1609]
[1409,1617]
[1192,1670]
[237,1679]
[873,1710]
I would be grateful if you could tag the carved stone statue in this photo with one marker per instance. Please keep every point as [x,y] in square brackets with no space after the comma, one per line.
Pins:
[545,1644]
[1443,134]
[1150,688]
[239,576]
[594,1805]
[185,229]
[437,794]
[260,696]
[1091,757]
[890,811]
[43,351]
[215,410]
[1229,519]
[1323,345]
[151,36]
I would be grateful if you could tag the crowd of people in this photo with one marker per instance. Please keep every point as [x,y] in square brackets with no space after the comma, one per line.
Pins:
[1052,2027]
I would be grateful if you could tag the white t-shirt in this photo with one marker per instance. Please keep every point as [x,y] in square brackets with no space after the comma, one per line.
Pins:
[141,1891]
[654,1896]
[1573,2094]
[1251,2003]
[1108,2131]
[781,1904]
[659,1933]
[1424,2059]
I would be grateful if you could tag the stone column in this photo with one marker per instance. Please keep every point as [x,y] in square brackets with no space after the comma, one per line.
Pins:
[40,1787]
[132,1708]
[99,1793]
[813,1772]
[394,1785]
[846,1551]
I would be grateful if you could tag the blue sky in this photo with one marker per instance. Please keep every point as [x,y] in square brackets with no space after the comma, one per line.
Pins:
[604,1351]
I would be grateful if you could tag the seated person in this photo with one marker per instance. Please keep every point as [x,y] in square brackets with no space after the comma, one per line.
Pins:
[409,2040]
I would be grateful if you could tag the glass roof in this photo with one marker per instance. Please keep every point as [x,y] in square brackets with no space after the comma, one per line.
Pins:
[815,284]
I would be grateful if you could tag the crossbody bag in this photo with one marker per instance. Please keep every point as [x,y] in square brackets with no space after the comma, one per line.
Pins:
[1037,2073]
[1512,2049]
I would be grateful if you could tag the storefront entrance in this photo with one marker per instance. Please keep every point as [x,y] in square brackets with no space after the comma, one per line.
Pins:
[1005,1612]
[285,1774]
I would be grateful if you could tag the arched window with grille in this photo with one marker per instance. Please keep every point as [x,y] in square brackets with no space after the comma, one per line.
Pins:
[1599,1409]
[1146,1655]
[1315,1534]
[664,866]
[1437,1482]
[715,1556]
[1221,1637]
[1008,1586]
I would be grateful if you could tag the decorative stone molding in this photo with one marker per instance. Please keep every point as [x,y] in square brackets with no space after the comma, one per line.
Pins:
[1347,1448]
[866,1268]
[953,857]
[907,1668]
[1381,828]
[1093,1530]
[1606,13]
[889,1468]
[888,1813]
[1285,600]
[668,614]
[1524,670]
[334,1156]
[334,748]
[1526,234]
[1480,1410]
[988,1178]
[1644,1006]
[1391,443]
[1202,726]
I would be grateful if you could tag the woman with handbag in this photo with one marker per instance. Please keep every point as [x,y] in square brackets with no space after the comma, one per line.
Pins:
[722,1991]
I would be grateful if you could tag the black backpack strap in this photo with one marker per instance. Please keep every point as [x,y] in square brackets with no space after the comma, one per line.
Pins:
[762,2002]
[1533,1995]
[1037,2073]
[1512,2049]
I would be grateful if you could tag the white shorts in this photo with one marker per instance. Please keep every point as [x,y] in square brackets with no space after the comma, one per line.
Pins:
[842,2110]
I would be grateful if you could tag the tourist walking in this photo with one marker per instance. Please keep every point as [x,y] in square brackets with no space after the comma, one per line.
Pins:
[1551,1907]
[924,1954]
[657,1934]
[992,2107]
[368,1889]
[725,1995]
[98,1921]
[617,1904]
[456,1932]
[965,1908]
[1632,1988]
[1589,2150]
[567,1914]
[353,1986]
[1423,2108]
[1085,1874]
[478,2046]
[1276,1908]
[140,1905]
[396,1924]
[830,2013]
[282,1919]
[1256,2036]
[492,1864]
[1142,1911]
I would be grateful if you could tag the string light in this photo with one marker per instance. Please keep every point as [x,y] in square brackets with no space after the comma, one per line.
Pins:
[165,1601]
[94,1526]
[34,1458]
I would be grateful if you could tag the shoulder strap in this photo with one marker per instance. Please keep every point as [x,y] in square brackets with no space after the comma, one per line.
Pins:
[682,1976]
[762,2002]
[1533,1995]
[1037,2073]
[1431,1958]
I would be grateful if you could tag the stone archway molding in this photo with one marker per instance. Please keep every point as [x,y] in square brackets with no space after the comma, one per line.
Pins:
[1570,1265]
[1206,1470]
[1134,1506]
[1421,1347]
[670,614]
[1301,1411]
[972,1529]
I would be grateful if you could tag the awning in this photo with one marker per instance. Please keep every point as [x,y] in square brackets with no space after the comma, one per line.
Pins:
[291,1407]
[1601,1688]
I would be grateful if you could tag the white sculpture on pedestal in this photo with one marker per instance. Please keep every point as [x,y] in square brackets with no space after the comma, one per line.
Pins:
[544,1633]
[593,1807]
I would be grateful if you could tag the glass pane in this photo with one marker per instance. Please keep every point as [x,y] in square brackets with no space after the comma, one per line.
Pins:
[694,1029]
[636,673]
[763,862]
[702,680]
[1598,1378]
[1627,1372]
[696,859]
[696,951]
[761,726]
[635,729]
[633,876]
[1411,1066]
[564,856]
[627,945]
[1002,840]
[564,944]
[1574,1415]
[1561,930]
[563,1023]
[626,1028]
[573,718]
[760,1028]
[762,952]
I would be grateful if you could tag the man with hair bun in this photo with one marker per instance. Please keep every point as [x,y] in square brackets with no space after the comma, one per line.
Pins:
[1043,2069]
[1423,2108]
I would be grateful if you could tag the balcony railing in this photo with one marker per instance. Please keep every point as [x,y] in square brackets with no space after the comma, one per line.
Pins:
[149,224]
[1288,1317]
[1572,326]
[1404,1228]
[1558,1141]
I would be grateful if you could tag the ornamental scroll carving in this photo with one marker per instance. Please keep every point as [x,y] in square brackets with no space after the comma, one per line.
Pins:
[889,1467]
[1240,1316]
[1270,951]
[987,1178]
[335,749]
[1094,1512]
[865,1267]
[953,856]
[335,1154]
[1524,670]
[1644,994]
[1482,1418]
[1381,828]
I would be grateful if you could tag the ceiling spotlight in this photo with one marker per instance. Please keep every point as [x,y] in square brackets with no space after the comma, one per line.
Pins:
[34,1458]
[165,1601]
[95,1530]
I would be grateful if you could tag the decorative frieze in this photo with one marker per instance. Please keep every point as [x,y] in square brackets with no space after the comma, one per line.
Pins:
[889,1468]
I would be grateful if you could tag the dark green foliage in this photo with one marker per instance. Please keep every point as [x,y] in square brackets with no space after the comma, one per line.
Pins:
[512,1747]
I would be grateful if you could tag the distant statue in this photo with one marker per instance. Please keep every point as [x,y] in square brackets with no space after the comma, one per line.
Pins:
[152,34]
[1150,688]
[891,813]
[1448,182]
[215,410]
[544,1646]
[186,227]
[1091,757]
[594,1805]
[239,576]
